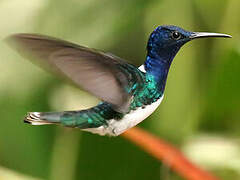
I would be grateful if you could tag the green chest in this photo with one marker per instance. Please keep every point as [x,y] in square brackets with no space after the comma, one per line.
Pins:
[146,93]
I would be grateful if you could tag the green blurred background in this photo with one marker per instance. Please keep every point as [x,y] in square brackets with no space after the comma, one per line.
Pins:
[200,112]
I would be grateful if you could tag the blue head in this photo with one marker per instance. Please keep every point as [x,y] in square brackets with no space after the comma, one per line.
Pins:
[163,45]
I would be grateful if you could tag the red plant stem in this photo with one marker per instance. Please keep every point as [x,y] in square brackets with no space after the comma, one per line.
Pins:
[167,153]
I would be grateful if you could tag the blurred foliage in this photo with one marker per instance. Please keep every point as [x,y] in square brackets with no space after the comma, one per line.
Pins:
[202,93]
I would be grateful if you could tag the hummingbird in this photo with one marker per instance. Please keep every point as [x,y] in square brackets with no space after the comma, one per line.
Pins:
[128,94]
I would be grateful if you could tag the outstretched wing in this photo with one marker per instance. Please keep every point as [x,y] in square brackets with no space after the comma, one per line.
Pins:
[106,76]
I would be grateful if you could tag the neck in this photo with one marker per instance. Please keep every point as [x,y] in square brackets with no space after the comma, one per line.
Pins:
[157,65]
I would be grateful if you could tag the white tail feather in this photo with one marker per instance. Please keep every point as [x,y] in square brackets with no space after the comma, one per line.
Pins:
[34,118]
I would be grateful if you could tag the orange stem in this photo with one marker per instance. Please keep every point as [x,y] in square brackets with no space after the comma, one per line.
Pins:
[165,152]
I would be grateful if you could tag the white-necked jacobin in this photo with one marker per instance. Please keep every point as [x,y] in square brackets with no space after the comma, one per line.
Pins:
[128,94]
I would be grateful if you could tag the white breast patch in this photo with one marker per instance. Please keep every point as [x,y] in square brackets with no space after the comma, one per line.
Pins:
[116,127]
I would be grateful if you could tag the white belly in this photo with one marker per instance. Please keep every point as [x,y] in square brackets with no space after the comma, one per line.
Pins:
[117,127]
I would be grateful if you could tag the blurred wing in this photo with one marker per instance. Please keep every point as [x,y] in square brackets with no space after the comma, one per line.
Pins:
[103,75]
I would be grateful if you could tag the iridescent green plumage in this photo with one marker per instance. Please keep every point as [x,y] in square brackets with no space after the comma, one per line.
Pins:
[144,94]
[129,95]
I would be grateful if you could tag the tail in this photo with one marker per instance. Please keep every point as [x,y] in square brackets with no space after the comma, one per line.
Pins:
[94,119]
[38,118]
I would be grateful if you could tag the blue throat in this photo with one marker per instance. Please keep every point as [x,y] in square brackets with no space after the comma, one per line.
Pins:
[158,62]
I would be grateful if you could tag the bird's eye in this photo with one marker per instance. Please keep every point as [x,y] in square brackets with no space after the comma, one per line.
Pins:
[176,35]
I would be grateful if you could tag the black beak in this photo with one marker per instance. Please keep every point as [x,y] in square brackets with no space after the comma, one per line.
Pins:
[195,35]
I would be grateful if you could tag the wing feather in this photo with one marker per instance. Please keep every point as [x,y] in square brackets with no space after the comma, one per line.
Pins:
[94,71]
